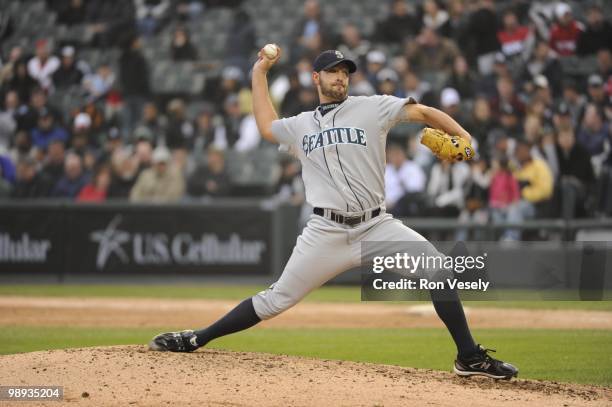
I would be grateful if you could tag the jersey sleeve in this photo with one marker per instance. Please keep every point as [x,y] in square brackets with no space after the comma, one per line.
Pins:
[390,109]
[284,131]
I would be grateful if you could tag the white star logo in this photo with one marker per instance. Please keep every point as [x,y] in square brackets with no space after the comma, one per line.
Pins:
[109,242]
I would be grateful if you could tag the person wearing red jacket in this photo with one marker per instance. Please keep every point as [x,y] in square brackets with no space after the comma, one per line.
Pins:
[515,39]
[95,191]
[565,33]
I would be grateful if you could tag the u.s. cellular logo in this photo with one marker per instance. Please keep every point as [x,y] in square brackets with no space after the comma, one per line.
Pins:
[152,248]
[23,249]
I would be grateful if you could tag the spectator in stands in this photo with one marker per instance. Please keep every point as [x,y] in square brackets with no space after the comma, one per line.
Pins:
[352,45]
[73,180]
[604,63]
[232,121]
[504,193]
[597,34]
[506,96]
[38,104]
[462,79]
[562,117]
[53,161]
[8,119]
[593,135]
[71,12]
[481,33]
[541,93]
[576,174]
[30,183]
[206,133]
[43,65]
[112,141]
[431,53]
[481,124]
[436,18]
[516,40]
[81,138]
[124,173]
[230,84]
[458,22]
[387,80]
[179,131]
[110,21]
[565,32]
[22,146]
[542,15]
[21,81]
[447,187]
[96,190]
[536,184]
[153,121]
[596,91]
[240,41]
[151,15]
[475,210]
[375,61]
[5,186]
[134,81]
[414,87]
[8,67]
[290,187]
[574,100]
[143,152]
[7,168]
[182,49]
[98,84]
[47,130]
[510,123]
[360,86]
[310,36]
[544,62]
[210,179]
[68,74]
[405,183]
[398,26]
[160,183]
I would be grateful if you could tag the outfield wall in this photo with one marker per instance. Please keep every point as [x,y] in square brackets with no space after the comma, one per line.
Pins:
[247,239]
[63,239]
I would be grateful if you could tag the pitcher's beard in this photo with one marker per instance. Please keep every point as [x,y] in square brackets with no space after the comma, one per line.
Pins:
[334,93]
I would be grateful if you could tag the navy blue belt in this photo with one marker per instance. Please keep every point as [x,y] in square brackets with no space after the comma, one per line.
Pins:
[347,220]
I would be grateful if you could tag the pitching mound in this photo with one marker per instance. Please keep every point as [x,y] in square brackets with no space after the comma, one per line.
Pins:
[131,375]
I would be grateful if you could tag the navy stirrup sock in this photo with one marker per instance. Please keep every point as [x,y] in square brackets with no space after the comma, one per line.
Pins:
[243,316]
[449,309]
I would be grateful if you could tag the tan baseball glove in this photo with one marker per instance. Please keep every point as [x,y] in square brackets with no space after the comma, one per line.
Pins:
[447,147]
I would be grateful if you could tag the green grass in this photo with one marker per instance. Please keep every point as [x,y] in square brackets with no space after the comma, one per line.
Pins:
[583,356]
[238,292]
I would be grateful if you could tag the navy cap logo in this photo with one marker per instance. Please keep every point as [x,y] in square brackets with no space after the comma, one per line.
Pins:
[339,55]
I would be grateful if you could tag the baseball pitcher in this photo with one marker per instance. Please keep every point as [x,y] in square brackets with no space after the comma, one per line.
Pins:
[341,145]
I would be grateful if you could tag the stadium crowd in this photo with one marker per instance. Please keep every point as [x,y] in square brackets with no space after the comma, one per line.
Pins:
[531,81]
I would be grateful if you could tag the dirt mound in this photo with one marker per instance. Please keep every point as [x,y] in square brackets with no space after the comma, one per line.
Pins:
[131,375]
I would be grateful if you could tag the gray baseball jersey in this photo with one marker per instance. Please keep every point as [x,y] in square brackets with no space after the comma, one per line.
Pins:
[343,152]
[343,168]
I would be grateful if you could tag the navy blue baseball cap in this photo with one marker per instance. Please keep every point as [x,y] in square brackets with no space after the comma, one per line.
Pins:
[331,58]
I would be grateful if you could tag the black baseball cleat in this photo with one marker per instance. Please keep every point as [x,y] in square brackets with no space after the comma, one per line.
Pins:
[184,341]
[481,364]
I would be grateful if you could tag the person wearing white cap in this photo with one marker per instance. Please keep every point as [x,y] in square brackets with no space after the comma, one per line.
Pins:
[163,182]
[565,33]
[375,61]
[449,102]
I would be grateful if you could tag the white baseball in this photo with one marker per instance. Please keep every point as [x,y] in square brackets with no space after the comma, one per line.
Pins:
[270,51]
